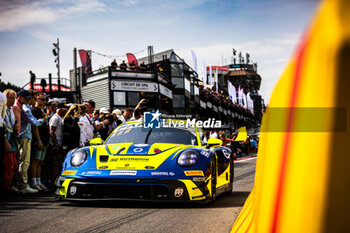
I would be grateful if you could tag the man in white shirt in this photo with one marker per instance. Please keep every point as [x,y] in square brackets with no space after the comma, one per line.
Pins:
[213,134]
[10,160]
[86,129]
[3,101]
[89,123]
[138,114]
[56,138]
[126,116]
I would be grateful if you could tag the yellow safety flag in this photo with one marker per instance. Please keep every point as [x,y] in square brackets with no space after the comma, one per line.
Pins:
[302,179]
[242,134]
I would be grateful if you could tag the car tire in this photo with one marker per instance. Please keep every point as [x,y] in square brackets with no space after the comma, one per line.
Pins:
[213,180]
[232,175]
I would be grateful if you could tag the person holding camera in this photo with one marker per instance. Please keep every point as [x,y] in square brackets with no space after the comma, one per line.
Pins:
[106,120]
[71,129]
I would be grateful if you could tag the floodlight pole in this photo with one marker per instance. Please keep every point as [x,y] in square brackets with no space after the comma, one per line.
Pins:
[56,53]
[58,66]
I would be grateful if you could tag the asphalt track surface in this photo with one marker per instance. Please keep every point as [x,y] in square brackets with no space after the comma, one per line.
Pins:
[41,213]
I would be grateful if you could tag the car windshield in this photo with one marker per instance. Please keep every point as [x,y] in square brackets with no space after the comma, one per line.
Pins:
[140,135]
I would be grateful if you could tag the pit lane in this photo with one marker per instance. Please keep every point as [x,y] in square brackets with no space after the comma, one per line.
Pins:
[41,213]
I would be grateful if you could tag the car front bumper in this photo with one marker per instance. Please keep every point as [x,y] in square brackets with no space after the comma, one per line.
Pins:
[138,189]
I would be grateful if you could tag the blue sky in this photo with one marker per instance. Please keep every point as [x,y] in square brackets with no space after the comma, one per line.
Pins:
[268,30]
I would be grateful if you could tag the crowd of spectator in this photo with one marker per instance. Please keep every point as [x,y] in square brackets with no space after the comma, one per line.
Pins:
[220,97]
[36,134]
[131,66]
[239,148]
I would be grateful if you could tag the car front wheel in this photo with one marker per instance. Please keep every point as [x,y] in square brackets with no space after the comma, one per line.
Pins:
[232,173]
[213,180]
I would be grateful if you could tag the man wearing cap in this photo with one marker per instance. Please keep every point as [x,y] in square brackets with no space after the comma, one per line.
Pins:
[116,114]
[22,105]
[103,114]
[106,120]
[22,98]
[39,142]
[56,139]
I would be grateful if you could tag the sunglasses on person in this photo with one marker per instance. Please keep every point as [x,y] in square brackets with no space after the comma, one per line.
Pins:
[42,99]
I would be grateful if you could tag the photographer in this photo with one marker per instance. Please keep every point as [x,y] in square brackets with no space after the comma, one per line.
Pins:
[86,126]
[71,129]
[107,122]
[138,114]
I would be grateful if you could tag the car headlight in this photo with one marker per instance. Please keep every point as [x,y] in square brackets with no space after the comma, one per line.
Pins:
[78,158]
[187,158]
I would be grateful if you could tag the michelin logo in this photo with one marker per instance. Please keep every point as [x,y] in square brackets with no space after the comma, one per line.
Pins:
[151,119]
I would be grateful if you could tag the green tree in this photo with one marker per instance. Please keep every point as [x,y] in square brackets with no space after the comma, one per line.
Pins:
[4,86]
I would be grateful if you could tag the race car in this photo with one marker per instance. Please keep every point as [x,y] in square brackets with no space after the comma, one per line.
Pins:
[156,164]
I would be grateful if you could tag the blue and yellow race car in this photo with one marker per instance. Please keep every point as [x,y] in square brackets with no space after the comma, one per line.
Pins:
[156,164]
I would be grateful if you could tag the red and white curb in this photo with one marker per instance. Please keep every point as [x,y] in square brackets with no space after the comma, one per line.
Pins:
[245,159]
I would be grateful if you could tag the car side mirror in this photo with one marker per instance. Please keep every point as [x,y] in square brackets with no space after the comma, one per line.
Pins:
[96,142]
[214,142]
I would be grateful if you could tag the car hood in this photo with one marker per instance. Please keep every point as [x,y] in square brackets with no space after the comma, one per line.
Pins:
[130,156]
